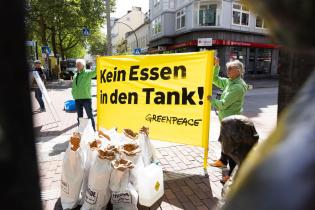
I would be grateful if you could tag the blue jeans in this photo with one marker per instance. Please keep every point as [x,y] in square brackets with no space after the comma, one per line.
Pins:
[39,98]
[87,104]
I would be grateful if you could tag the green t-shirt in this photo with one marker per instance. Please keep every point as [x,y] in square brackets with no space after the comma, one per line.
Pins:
[232,99]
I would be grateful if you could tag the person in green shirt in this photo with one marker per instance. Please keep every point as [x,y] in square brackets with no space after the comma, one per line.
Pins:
[231,101]
[81,90]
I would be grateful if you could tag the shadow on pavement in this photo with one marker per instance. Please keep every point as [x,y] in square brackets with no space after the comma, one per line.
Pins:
[51,134]
[189,191]
[59,148]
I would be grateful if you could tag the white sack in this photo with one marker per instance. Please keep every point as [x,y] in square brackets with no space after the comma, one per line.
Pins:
[124,195]
[71,177]
[98,193]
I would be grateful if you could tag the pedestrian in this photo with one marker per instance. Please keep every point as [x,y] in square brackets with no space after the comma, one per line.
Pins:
[230,102]
[238,136]
[38,92]
[81,90]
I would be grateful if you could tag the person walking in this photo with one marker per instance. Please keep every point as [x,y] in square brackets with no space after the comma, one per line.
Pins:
[81,90]
[230,102]
[38,92]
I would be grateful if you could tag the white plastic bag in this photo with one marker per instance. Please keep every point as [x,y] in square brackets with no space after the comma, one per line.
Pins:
[71,176]
[115,137]
[124,195]
[131,152]
[147,150]
[98,193]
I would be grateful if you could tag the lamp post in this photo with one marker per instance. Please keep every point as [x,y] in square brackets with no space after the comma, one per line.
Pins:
[109,33]
[131,30]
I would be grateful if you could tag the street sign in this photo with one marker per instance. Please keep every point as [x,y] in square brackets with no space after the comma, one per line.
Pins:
[137,51]
[86,32]
[204,42]
[30,43]
[46,49]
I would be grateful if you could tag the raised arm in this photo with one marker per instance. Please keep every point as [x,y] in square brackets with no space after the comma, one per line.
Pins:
[91,73]
[218,81]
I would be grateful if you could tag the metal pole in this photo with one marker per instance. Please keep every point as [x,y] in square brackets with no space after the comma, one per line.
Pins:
[131,30]
[109,31]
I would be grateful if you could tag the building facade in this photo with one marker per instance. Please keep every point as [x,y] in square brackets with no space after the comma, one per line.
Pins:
[130,21]
[226,26]
[140,37]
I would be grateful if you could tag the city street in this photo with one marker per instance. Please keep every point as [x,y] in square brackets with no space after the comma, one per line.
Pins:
[186,187]
[183,105]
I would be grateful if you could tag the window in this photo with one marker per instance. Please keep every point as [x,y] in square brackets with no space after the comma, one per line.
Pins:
[260,23]
[156,25]
[155,2]
[180,19]
[240,15]
[207,15]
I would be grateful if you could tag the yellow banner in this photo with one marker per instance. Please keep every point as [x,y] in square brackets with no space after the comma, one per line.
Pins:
[167,93]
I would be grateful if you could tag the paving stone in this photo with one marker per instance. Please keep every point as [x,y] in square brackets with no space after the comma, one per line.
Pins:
[181,196]
[174,186]
[202,208]
[209,203]
[169,194]
[175,203]
[195,200]
[189,206]
[187,191]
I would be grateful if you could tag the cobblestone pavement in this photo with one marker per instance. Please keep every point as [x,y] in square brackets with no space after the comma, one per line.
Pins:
[186,186]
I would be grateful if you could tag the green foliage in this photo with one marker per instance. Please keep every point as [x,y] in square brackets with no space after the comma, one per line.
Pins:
[98,45]
[121,47]
[76,52]
[59,23]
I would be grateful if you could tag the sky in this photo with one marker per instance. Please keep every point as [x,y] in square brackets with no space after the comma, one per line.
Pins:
[122,6]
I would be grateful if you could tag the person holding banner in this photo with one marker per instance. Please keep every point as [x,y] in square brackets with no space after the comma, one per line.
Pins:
[81,90]
[230,103]
[38,93]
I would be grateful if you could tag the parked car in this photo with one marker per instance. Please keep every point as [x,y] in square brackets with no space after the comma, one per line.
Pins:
[68,68]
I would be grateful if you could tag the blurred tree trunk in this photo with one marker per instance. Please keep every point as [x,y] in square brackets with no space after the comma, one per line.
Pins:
[294,70]
[53,41]
[43,31]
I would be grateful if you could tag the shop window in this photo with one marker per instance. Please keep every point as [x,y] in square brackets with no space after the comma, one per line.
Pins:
[263,61]
[240,15]
[180,19]
[238,53]
[259,61]
[156,25]
[208,15]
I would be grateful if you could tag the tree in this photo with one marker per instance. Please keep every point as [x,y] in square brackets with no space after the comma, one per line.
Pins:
[98,44]
[59,23]
[121,47]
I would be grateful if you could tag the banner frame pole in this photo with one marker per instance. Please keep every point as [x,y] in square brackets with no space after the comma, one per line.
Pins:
[206,113]
[46,97]
[97,92]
